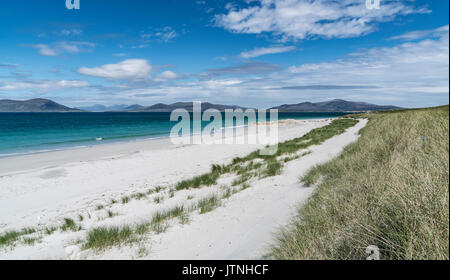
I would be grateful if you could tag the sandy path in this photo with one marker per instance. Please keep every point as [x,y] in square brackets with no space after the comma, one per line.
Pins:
[245,225]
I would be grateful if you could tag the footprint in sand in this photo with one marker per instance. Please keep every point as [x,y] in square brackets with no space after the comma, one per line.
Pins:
[52,174]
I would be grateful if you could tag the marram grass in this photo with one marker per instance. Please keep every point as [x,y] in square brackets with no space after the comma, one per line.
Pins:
[389,189]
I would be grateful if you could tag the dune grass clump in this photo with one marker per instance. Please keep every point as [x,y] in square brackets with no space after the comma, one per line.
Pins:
[273,168]
[111,214]
[9,237]
[69,224]
[50,230]
[125,199]
[158,199]
[104,237]
[389,189]
[207,179]
[159,222]
[139,196]
[208,204]
[30,241]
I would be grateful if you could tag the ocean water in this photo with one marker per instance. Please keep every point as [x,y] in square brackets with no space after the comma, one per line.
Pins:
[22,133]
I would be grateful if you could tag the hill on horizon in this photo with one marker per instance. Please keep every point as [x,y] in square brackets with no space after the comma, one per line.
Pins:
[33,105]
[335,105]
[46,105]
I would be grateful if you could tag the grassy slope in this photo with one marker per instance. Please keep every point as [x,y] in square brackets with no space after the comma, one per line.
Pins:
[389,189]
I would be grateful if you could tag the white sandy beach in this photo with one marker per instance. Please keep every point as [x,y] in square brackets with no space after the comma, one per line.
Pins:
[41,190]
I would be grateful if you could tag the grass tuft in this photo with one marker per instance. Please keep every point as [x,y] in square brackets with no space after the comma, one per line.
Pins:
[208,204]
[69,224]
[104,237]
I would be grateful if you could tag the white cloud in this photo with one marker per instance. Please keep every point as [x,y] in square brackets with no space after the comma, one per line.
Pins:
[300,19]
[408,74]
[42,86]
[45,50]
[63,47]
[69,32]
[407,65]
[129,69]
[264,51]
[166,76]
[164,34]
[420,34]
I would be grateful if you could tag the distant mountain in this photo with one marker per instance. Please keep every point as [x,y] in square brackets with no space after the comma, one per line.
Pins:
[336,105]
[113,108]
[160,107]
[33,105]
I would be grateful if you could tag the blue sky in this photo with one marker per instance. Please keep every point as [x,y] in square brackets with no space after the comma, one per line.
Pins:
[252,53]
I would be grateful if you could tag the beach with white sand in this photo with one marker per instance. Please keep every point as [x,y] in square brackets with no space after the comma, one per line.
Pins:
[127,183]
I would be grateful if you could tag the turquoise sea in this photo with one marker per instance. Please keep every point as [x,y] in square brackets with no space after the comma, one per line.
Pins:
[22,133]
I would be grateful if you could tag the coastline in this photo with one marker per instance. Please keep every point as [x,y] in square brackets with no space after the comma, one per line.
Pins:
[37,133]
[68,183]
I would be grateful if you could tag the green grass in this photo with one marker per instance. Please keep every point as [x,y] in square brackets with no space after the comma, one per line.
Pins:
[125,199]
[227,193]
[50,230]
[208,204]
[10,237]
[139,196]
[69,224]
[273,168]
[389,189]
[111,214]
[104,237]
[30,241]
[244,186]
[162,216]
[158,199]
[207,179]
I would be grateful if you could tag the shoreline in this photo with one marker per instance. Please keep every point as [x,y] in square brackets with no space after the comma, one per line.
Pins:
[112,139]
[34,160]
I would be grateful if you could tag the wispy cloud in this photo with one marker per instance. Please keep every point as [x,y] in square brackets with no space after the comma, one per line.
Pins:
[264,51]
[119,54]
[42,85]
[244,69]
[8,65]
[63,47]
[300,19]
[69,32]
[420,34]
[164,34]
[325,87]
